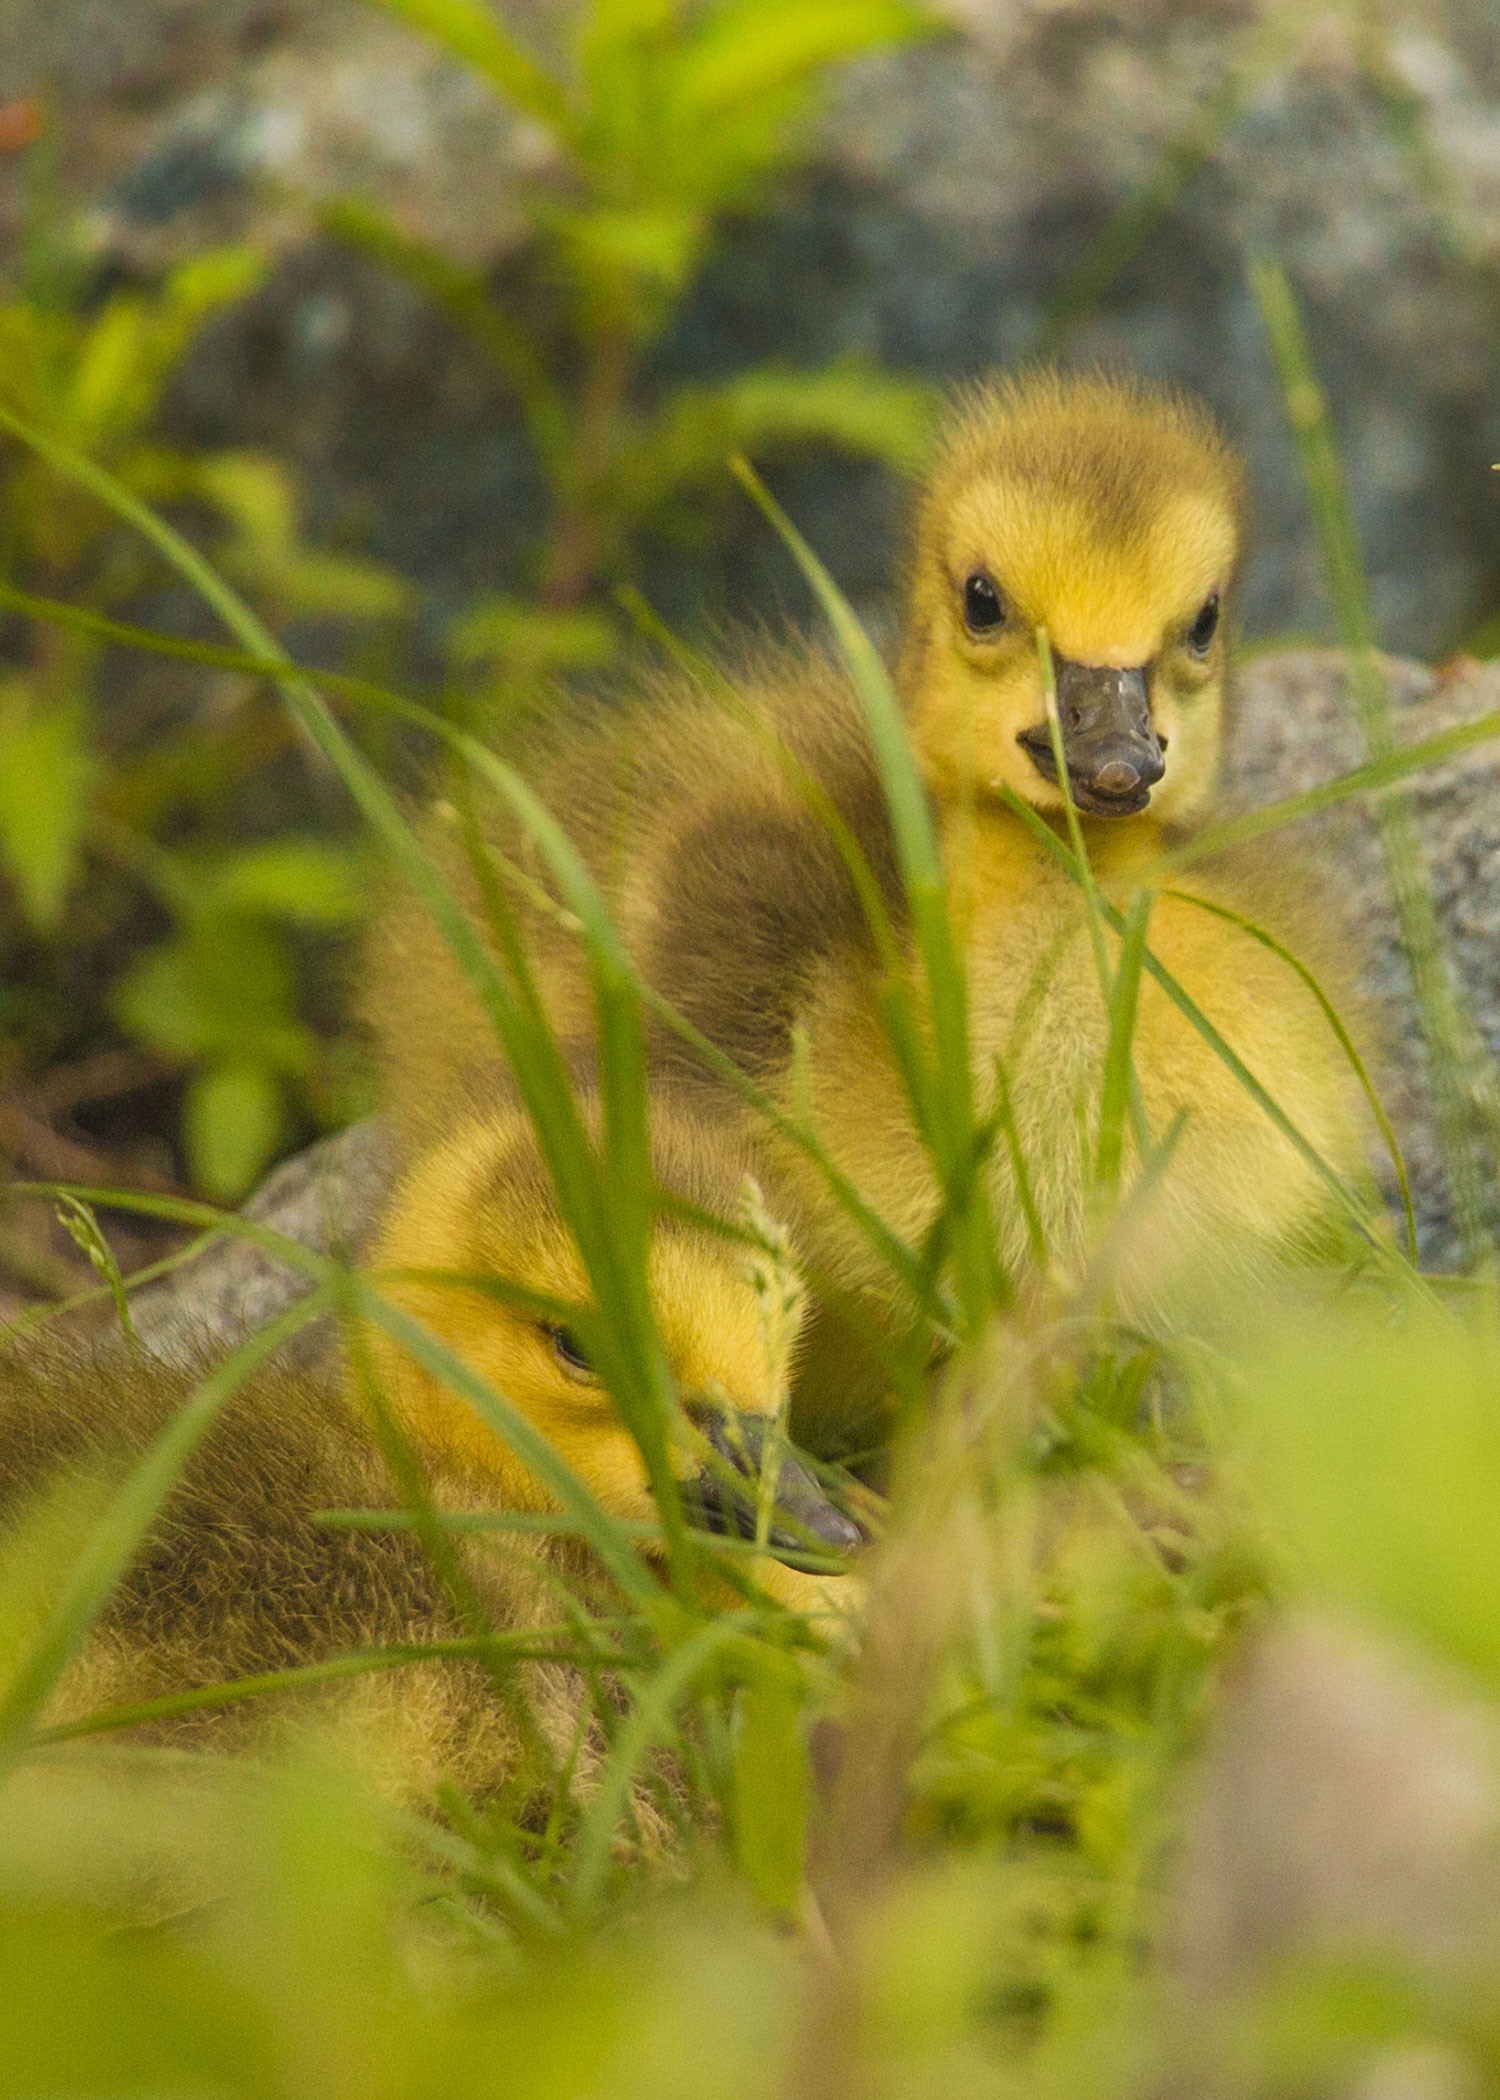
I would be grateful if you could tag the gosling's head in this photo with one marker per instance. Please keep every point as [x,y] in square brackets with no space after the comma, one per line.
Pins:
[1107,512]
[483,1205]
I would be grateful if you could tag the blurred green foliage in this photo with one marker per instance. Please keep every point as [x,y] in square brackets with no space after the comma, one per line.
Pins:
[132,902]
[176,1925]
[663,117]
[128,899]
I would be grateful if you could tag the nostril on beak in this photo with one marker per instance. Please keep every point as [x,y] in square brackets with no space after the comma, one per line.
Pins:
[1117,778]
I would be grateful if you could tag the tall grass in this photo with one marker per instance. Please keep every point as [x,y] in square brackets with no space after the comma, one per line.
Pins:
[936,1871]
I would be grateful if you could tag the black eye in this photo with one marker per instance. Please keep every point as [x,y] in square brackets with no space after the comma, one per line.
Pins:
[569,1352]
[984,608]
[1205,627]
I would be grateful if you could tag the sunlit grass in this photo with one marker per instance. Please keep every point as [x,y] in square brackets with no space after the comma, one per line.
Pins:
[961,1897]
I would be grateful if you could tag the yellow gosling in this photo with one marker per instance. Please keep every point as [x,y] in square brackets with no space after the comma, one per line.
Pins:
[1106,513]
[238,1578]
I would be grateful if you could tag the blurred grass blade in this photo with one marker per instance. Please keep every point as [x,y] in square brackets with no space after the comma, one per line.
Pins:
[535,1644]
[943,1103]
[473,34]
[649,1723]
[131,1513]
[771,1783]
[1124,1000]
[1463,1079]
[1348,1199]
[1183,156]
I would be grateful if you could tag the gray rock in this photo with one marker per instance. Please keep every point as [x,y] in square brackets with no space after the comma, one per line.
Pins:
[329,1197]
[1293,727]
[1347,1809]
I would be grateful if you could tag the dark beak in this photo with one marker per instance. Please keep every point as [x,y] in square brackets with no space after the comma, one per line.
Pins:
[725,1495]
[1113,753]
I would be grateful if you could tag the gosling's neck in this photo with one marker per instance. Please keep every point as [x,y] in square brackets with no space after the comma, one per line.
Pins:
[987,847]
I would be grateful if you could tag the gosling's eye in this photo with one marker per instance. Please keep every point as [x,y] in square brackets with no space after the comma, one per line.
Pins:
[984,608]
[1205,627]
[570,1353]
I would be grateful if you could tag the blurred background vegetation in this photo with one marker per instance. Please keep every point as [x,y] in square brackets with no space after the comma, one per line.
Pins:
[433,323]
[437,327]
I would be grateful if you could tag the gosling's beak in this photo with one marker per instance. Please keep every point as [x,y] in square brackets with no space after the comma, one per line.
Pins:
[724,1496]
[1113,752]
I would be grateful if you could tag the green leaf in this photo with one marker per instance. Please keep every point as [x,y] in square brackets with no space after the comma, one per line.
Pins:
[306,881]
[520,638]
[755,48]
[255,493]
[654,247]
[48,771]
[221,988]
[1123,999]
[310,582]
[849,404]
[234,1117]
[771,1789]
[259,497]
[130,352]
[471,32]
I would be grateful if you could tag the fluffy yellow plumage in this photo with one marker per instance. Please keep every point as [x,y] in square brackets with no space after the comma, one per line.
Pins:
[238,1578]
[1106,513]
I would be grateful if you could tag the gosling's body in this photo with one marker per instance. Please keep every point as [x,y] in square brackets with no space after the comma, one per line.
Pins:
[237,1578]
[1110,516]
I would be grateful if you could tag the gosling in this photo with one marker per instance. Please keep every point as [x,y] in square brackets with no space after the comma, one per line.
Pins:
[1108,513]
[239,1578]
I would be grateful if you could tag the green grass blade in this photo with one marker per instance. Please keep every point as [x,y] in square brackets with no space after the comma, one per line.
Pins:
[1464,1093]
[944,1102]
[1341,1036]
[1123,1003]
[649,1723]
[1005,1120]
[1085,873]
[1348,1198]
[1373,779]
[472,33]
[118,1536]
[536,1644]
[35,1318]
